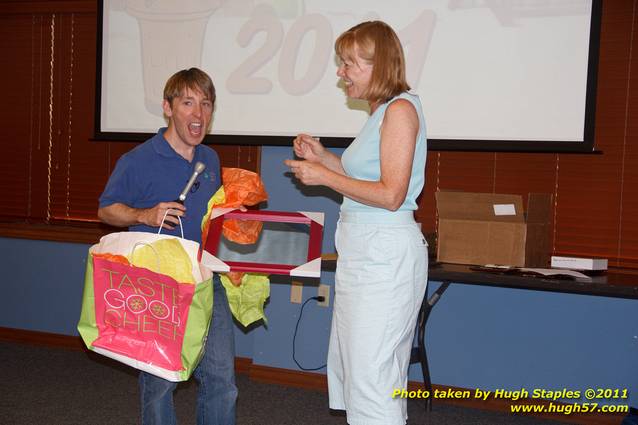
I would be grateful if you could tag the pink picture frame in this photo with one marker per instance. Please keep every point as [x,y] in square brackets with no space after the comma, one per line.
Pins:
[312,266]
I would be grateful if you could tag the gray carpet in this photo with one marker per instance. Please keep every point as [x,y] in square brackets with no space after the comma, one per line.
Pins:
[41,385]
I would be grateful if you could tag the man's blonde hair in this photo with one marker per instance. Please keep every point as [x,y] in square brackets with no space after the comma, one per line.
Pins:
[194,79]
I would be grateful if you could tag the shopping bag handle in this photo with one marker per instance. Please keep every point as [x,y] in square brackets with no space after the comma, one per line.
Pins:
[157,256]
[181,228]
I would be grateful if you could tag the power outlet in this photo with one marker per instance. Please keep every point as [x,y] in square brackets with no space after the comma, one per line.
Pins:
[296,292]
[324,291]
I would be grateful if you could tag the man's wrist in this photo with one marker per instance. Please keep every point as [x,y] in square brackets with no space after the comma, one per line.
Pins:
[140,215]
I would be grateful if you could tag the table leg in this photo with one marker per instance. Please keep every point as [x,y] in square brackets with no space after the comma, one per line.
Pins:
[419,353]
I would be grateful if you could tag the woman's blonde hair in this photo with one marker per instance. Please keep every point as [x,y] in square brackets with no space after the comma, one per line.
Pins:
[377,43]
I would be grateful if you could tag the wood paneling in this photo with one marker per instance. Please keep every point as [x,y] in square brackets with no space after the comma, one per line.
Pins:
[628,229]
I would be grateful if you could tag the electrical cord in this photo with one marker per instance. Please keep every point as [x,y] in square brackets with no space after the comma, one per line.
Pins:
[294,337]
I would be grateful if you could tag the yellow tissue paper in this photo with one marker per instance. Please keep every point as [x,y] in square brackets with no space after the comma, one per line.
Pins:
[217,199]
[247,300]
[165,256]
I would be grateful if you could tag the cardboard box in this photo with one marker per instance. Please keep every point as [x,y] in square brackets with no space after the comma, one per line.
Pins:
[488,228]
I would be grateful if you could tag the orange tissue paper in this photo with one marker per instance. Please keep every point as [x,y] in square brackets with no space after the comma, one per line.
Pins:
[239,187]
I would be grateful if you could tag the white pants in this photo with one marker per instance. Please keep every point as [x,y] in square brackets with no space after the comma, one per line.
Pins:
[380,282]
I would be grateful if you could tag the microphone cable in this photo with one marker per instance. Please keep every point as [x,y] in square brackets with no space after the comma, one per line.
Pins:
[294,337]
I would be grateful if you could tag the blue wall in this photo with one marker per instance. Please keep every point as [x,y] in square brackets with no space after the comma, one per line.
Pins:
[478,337]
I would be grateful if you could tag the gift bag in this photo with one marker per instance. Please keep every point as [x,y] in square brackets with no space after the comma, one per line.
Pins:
[135,312]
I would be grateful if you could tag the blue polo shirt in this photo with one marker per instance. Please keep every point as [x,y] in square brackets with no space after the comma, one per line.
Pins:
[153,172]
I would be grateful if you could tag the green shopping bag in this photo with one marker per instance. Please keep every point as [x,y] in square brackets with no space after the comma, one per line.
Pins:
[141,317]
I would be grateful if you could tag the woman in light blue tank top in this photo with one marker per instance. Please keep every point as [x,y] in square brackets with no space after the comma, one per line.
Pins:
[381,272]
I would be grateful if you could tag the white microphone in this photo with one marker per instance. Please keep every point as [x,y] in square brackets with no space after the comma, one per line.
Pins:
[199,167]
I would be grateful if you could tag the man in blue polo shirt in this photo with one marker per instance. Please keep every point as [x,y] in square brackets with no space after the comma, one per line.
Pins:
[140,195]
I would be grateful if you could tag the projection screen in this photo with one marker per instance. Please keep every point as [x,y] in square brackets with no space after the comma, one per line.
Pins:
[516,75]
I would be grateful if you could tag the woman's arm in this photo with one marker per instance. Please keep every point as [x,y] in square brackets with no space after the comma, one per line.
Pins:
[311,149]
[398,141]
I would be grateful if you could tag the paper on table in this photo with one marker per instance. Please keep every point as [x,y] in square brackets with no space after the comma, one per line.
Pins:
[554,272]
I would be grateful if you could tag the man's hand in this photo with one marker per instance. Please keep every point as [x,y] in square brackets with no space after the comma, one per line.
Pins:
[153,216]
[121,215]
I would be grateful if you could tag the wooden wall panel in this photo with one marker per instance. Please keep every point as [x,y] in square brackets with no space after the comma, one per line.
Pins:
[628,244]
[426,214]
[17,36]
[77,160]
[24,117]
[467,171]
[246,157]
[588,205]
[525,173]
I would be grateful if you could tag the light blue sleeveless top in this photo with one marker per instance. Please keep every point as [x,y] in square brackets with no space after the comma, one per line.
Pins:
[361,159]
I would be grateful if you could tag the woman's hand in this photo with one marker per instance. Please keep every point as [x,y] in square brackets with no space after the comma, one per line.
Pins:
[308,148]
[308,173]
